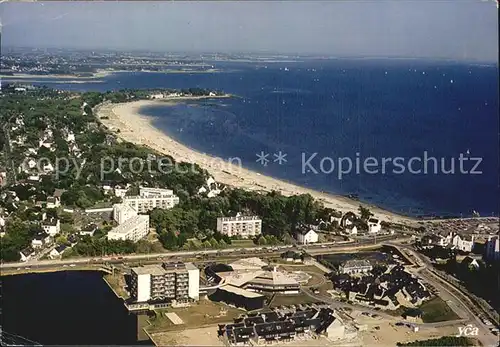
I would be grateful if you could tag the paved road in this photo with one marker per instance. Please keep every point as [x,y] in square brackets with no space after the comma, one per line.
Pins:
[448,292]
[254,251]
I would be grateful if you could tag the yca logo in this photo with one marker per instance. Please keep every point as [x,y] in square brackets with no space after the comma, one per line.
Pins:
[468,330]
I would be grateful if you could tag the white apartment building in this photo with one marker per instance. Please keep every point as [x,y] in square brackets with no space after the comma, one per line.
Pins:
[243,226]
[150,198]
[134,229]
[123,212]
[166,282]
[307,236]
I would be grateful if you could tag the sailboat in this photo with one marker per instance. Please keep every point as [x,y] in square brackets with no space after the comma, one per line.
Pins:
[468,152]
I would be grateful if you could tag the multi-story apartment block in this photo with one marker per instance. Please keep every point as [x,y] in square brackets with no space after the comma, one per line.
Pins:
[123,212]
[243,226]
[134,229]
[165,283]
[492,249]
[150,198]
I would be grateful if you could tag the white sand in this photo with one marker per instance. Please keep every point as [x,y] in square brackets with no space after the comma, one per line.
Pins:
[137,128]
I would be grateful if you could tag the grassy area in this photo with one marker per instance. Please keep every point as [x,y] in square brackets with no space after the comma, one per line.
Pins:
[202,313]
[437,310]
[287,300]
[117,282]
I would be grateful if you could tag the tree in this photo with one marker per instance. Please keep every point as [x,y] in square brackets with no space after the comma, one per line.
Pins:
[261,241]
[365,213]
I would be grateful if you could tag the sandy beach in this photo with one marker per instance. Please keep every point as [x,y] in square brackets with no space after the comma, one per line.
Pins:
[137,128]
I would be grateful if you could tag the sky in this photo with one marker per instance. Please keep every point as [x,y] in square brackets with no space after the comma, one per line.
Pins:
[442,29]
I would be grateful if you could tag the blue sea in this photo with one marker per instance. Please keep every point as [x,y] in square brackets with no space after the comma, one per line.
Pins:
[371,111]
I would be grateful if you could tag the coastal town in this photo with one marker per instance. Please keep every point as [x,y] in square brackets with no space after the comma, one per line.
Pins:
[226,256]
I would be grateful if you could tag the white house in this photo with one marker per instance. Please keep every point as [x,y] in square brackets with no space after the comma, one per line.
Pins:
[40,240]
[374,225]
[57,252]
[351,229]
[307,236]
[51,226]
[27,253]
[47,168]
[462,244]
[88,230]
[53,202]
[120,192]
[70,137]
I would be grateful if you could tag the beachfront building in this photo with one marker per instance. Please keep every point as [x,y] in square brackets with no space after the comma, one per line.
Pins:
[374,225]
[307,236]
[151,198]
[355,267]
[134,229]
[242,226]
[123,212]
[168,282]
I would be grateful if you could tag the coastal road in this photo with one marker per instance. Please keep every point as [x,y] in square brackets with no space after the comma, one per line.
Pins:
[462,304]
[321,248]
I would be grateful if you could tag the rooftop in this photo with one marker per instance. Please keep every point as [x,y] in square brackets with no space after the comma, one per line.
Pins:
[239,218]
[242,292]
[356,263]
[129,224]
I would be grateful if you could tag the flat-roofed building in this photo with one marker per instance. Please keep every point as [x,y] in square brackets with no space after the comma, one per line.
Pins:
[123,212]
[133,229]
[242,226]
[155,192]
[165,283]
[355,266]
[151,198]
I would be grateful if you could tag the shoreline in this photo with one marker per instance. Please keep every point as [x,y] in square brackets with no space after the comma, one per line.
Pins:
[139,129]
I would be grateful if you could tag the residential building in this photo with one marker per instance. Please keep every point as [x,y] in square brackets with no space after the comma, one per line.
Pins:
[40,240]
[461,243]
[492,249]
[374,225]
[242,226]
[355,267]
[306,236]
[151,198]
[282,326]
[27,253]
[120,192]
[123,212]
[57,252]
[51,226]
[88,230]
[351,229]
[53,202]
[134,229]
[178,282]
